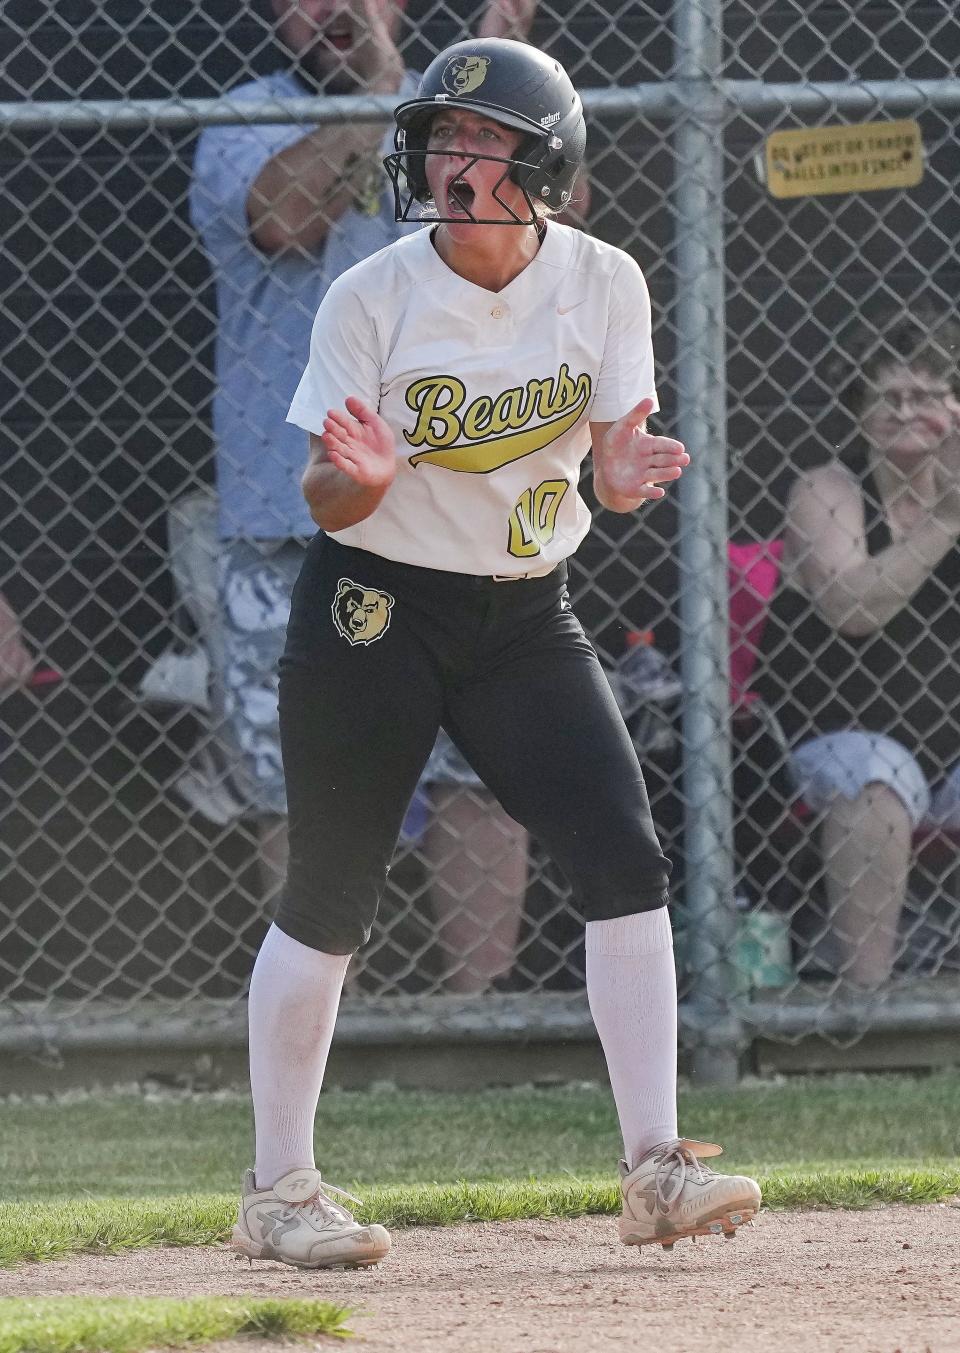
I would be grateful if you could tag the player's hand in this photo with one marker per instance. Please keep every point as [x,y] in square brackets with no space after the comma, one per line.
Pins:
[374,58]
[633,462]
[359,442]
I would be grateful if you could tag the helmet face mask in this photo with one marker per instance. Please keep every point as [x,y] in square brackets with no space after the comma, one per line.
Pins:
[509,83]
[419,205]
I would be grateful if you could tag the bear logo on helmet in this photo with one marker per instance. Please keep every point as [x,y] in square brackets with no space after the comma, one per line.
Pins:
[464,74]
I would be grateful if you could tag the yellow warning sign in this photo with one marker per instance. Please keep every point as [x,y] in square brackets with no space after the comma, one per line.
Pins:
[858,159]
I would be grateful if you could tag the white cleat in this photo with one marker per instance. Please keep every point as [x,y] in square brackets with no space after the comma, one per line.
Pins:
[297,1222]
[669,1195]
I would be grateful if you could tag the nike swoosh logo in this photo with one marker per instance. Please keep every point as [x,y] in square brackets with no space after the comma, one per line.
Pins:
[565,309]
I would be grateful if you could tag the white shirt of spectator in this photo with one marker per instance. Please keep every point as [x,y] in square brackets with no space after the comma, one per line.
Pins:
[489,394]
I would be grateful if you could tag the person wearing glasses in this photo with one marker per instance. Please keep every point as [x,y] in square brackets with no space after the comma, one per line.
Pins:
[862,652]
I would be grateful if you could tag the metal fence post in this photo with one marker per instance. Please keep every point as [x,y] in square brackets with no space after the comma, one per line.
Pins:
[701,380]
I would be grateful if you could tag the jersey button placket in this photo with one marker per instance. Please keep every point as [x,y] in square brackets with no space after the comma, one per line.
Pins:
[500,328]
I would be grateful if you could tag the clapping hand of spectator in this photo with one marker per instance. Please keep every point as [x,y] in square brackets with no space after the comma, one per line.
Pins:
[375,60]
[507,19]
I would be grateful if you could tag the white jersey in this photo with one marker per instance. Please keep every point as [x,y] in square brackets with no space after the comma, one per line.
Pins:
[489,394]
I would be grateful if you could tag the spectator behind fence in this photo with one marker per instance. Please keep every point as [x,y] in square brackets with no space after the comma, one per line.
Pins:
[282,211]
[862,652]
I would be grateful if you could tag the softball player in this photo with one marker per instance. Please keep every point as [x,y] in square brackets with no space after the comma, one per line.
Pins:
[455,384]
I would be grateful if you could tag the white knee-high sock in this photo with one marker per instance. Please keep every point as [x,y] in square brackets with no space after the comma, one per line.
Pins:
[632,990]
[294,996]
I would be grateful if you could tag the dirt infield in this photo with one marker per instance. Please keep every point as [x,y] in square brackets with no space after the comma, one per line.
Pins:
[873,1282]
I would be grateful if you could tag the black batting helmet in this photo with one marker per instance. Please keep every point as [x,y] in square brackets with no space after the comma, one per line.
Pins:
[515,85]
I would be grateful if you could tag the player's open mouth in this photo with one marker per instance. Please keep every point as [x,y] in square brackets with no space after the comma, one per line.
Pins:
[460,199]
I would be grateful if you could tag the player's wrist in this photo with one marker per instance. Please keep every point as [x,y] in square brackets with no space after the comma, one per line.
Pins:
[616,500]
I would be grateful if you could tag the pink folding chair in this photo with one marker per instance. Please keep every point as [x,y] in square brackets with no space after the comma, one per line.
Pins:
[753,571]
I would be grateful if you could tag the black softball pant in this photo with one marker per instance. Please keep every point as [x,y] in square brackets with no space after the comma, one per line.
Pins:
[378,655]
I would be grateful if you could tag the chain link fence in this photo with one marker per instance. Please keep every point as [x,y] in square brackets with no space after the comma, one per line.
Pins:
[134,896]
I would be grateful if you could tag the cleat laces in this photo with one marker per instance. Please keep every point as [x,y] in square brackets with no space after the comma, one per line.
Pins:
[671,1176]
[321,1209]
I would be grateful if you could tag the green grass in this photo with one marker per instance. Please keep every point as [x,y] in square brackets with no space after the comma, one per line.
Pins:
[126,1172]
[126,1146]
[124,1324]
[52,1230]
